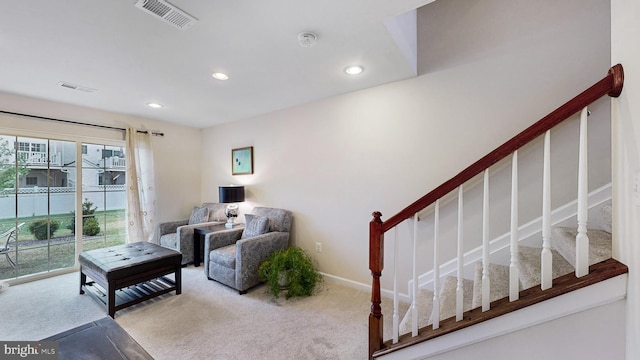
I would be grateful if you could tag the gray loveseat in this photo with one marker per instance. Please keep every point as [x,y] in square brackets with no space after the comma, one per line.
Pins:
[232,257]
[178,235]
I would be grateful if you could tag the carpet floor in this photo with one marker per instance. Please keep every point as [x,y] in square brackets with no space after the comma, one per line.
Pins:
[207,321]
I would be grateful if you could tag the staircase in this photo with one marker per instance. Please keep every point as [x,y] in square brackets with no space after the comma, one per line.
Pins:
[564,247]
[569,259]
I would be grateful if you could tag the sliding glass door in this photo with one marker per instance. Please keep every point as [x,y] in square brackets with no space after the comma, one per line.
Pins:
[41,183]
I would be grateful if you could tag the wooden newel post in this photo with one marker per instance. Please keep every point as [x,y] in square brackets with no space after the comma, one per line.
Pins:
[376,263]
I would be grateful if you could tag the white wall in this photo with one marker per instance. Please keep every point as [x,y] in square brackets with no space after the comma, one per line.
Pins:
[177,154]
[488,69]
[625,32]
[597,333]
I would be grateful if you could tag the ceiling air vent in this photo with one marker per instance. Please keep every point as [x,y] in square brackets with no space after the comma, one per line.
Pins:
[71,86]
[167,13]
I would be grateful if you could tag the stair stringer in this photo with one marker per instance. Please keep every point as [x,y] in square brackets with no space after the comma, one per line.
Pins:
[599,294]
[499,247]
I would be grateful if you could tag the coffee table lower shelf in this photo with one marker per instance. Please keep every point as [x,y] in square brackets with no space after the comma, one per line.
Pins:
[133,294]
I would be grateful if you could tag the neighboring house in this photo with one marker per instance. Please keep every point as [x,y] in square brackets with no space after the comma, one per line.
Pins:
[52,163]
[50,176]
[45,164]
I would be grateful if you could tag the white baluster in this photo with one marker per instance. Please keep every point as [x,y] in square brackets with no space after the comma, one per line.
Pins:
[459,288]
[514,267]
[436,267]
[404,327]
[414,304]
[546,256]
[407,315]
[396,325]
[582,240]
[486,281]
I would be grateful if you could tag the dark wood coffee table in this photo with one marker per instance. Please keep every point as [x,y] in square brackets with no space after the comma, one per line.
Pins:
[199,234]
[125,275]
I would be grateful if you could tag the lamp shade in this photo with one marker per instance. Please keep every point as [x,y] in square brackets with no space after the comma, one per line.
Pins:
[231,194]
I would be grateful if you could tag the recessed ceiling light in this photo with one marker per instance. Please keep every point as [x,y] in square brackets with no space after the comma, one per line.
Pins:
[154,105]
[220,76]
[354,70]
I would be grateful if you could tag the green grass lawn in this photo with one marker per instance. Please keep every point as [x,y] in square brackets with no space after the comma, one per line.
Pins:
[32,256]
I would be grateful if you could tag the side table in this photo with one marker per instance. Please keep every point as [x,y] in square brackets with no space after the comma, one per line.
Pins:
[198,238]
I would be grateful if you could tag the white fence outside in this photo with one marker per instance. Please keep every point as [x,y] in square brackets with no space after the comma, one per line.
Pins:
[61,200]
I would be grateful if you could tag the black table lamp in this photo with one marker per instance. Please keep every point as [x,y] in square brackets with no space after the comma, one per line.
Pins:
[231,195]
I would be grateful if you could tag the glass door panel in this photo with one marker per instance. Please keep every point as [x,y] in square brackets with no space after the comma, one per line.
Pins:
[103,188]
[45,203]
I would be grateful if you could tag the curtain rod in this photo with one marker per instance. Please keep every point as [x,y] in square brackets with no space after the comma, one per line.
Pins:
[80,123]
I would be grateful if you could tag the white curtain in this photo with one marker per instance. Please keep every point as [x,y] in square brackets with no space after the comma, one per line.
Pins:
[141,197]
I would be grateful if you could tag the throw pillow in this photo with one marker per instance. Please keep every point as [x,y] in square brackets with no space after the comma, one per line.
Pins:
[218,214]
[255,225]
[216,211]
[199,215]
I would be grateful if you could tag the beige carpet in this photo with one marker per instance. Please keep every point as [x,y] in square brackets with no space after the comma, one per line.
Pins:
[207,321]
[211,321]
[36,310]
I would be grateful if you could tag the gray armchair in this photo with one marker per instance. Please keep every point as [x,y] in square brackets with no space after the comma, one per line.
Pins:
[232,257]
[178,235]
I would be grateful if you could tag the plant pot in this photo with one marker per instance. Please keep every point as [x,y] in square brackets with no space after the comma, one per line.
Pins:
[290,270]
[283,279]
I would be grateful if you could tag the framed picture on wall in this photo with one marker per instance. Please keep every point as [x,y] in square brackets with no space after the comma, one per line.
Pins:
[242,161]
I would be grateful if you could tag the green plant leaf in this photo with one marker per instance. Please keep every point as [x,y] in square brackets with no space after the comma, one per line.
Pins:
[299,271]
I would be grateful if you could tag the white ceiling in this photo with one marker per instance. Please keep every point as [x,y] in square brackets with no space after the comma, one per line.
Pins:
[133,58]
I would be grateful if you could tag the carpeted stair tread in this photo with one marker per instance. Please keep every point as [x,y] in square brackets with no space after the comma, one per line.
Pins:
[530,260]
[563,239]
[448,294]
[499,283]
[425,305]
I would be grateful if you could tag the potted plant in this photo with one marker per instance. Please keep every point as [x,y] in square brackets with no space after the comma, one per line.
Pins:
[290,270]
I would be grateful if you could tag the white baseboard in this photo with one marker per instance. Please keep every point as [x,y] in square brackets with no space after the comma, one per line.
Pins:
[364,287]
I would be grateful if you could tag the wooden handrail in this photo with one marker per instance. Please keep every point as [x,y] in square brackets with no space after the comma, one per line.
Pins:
[610,85]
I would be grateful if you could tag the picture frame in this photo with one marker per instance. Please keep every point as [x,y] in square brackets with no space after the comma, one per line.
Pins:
[242,161]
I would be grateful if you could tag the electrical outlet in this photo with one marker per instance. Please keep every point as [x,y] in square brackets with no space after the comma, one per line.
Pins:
[319,247]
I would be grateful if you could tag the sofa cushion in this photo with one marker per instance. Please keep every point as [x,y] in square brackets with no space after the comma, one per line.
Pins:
[224,256]
[199,215]
[169,240]
[255,225]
